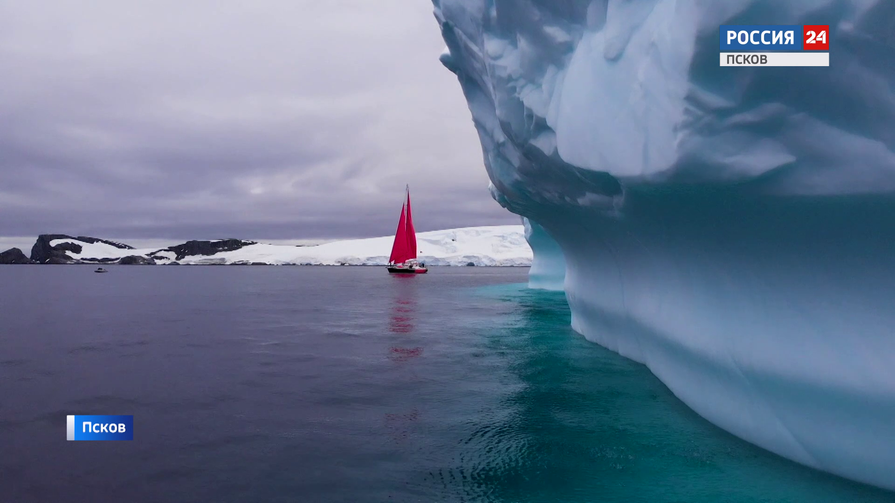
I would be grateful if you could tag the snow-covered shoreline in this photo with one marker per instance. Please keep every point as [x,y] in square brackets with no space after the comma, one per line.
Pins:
[498,246]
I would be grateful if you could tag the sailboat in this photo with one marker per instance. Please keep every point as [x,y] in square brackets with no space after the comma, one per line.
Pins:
[403,257]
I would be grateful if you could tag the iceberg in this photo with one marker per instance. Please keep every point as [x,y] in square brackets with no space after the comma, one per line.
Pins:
[730,228]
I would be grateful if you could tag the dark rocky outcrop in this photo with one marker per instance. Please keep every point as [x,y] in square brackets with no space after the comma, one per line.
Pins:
[136,260]
[192,248]
[14,256]
[470,264]
[43,253]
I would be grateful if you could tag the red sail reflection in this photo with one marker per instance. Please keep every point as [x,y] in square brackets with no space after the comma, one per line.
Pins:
[402,317]
[402,325]
[404,354]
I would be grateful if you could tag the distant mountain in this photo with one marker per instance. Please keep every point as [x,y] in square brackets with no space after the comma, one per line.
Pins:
[45,252]
[204,248]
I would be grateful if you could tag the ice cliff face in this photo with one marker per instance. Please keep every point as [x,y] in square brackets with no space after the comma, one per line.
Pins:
[548,266]
[731,228]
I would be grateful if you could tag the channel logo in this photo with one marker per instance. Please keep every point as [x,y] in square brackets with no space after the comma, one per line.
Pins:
[99,428]
[775,45]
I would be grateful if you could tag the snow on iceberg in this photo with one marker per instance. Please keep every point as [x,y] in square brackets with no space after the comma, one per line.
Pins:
[731,228]
[502,245]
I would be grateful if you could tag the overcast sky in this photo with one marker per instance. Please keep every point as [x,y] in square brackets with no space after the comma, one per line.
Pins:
[281,119]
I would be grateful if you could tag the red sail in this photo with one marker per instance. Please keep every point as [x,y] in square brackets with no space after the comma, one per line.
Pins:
[411,232]
[400,253]
[404,248]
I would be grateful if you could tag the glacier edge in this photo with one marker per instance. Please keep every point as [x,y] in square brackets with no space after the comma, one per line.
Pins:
[548,264]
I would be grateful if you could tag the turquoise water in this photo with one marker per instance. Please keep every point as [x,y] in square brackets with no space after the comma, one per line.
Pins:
[584,424]
[281,384]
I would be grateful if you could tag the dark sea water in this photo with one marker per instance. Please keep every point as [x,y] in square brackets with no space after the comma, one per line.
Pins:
[345,384]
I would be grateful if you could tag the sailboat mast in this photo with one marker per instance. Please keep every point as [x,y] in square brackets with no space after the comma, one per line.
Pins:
[411,232]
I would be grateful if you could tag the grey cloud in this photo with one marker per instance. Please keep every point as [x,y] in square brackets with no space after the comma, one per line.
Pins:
[278,119]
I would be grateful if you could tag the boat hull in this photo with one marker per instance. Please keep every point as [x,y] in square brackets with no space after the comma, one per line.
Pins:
[407,270]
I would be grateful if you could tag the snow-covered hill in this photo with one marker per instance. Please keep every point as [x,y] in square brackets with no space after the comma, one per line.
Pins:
[482,246]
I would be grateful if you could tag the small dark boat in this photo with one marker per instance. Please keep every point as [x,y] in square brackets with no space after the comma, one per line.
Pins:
[100,269]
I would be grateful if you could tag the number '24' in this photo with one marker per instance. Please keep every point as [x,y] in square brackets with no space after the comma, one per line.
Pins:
[816,38]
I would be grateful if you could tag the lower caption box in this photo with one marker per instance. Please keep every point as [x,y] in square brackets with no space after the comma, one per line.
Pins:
[775,59]
[99,428]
